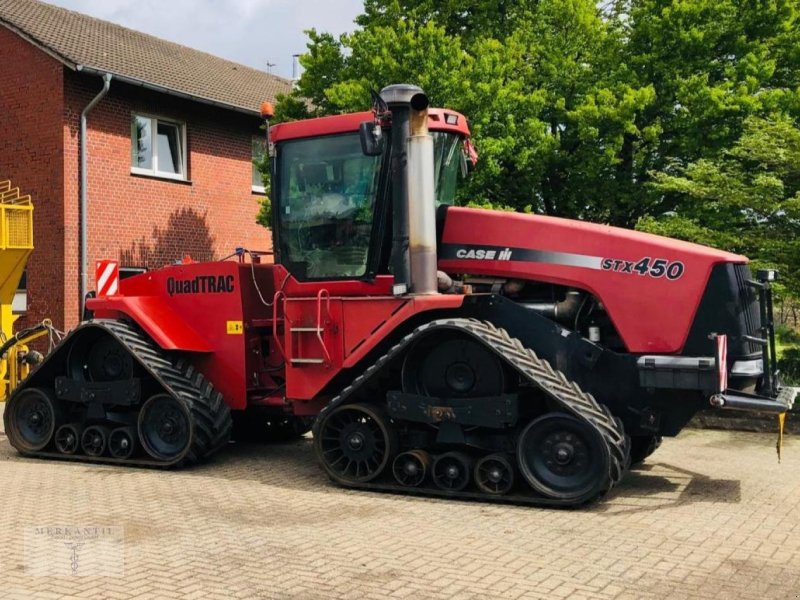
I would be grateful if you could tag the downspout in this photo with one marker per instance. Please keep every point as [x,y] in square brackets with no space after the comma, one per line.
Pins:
[84,203]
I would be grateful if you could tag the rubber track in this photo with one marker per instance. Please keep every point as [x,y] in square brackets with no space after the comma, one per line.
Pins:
[211,415]
[536,371]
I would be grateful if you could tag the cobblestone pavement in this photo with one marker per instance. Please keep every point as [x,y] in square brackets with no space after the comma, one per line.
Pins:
[711,515]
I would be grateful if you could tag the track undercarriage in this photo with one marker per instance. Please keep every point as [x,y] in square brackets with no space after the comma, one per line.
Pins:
[109,394]
[458,408]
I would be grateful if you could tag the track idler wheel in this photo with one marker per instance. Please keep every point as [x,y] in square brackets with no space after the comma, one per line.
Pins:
[451,471]
[31,418]
[165,428]
[68,438]
[122,442]
[564,458]
[355,443]
[494,474]
[411,468]
[94,440]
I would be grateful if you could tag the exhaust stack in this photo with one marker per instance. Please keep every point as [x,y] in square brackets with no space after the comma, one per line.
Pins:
[413,194]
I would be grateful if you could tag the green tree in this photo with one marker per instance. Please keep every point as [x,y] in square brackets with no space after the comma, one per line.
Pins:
[747,200]
[573,106]
[536,80]
[712,64]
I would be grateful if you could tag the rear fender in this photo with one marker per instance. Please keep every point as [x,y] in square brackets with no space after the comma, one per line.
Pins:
[163,324]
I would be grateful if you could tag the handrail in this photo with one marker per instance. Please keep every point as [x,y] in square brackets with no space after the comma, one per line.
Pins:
[275,300]
[320,294]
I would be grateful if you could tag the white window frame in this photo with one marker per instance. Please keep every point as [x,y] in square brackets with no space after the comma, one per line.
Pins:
[257,189]
[154,172]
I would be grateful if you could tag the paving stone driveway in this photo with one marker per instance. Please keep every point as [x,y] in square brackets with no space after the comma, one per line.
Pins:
[711,515]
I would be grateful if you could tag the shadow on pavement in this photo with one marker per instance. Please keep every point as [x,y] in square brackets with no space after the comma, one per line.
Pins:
[660,485]
[292,465]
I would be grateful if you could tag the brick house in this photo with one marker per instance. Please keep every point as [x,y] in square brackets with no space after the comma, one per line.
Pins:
[169,169]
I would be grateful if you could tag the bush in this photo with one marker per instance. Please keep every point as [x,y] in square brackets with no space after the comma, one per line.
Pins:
[786,335]
[789,365]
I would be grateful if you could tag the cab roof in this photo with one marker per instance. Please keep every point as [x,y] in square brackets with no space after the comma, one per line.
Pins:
[439,119]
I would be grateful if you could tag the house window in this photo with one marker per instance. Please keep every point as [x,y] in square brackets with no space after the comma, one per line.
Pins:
[259,150]
[158,147]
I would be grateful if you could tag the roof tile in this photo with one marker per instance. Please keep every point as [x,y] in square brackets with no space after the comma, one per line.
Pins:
[78,39]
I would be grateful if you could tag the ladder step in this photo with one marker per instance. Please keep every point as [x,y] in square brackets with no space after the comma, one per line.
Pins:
[306,329]
[307,361]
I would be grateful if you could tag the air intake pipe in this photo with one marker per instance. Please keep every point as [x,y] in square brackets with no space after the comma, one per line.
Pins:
[413,194]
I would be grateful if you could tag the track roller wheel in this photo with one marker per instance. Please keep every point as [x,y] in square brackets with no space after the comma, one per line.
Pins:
[562,457]
[451,471]
[68,438]
[31,418]
[165,428]
[494,474]
[411,468]
[94,440]
[355,443]
[122,442]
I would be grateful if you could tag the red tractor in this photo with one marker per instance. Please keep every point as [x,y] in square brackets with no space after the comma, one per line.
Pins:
[436,349]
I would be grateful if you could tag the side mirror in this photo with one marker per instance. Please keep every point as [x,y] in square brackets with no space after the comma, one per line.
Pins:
[371,137]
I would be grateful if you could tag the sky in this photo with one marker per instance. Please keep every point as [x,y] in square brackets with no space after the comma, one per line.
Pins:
[251,32]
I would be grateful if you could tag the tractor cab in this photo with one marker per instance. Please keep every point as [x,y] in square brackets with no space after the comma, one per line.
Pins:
[332,202]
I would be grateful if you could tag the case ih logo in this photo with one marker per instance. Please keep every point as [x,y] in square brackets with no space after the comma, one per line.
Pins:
[202,284]
[484,254]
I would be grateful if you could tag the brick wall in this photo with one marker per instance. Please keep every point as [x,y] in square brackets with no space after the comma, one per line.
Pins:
[148,222]
[142,221]
[31,155]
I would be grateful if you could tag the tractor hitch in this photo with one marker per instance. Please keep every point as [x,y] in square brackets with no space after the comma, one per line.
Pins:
[737,400]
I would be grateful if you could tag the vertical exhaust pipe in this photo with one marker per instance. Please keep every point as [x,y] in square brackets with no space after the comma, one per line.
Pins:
[422,199]
[413,193]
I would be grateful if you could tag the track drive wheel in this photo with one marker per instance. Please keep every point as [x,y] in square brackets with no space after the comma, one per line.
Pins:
[452,367]
[564,458]
[494,474]
[31,418]
[165,428]
[355,443]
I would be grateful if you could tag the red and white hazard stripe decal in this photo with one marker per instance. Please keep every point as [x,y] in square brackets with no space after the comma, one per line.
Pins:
[722,361]
[107,275]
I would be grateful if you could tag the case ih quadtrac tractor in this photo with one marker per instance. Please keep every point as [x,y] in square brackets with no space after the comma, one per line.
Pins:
[441,350]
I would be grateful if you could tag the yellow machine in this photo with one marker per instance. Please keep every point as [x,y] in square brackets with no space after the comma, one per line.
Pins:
[16,245]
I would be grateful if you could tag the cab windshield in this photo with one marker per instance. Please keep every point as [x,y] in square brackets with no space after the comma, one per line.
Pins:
[326,201]
[328,190]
